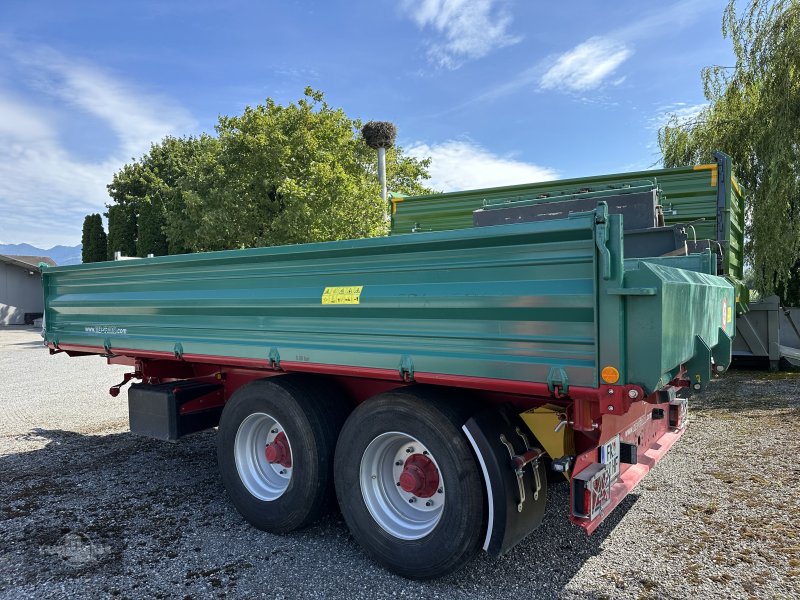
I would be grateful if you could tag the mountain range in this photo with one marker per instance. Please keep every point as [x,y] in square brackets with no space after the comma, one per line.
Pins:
[63,255]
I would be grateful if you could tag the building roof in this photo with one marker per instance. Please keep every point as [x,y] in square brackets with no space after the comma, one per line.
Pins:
[27,262]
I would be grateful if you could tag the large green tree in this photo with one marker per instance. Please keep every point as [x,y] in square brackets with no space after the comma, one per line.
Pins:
[753,114]
[289,174]
[272,175]
[93,239]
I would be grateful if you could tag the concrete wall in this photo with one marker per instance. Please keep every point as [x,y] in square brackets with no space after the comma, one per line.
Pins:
[20,293]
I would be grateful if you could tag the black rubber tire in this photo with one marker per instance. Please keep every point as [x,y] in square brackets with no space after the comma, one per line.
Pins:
[312,413]
[436,422]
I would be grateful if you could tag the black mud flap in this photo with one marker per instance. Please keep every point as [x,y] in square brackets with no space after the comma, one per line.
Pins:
[516,494]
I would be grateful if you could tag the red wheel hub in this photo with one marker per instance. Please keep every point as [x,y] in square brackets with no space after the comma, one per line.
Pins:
[420,476]
[278,451]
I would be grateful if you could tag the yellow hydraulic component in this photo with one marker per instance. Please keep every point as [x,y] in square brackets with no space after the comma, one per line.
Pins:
[543,422]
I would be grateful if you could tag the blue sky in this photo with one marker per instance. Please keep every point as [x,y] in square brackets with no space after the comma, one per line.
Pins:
[495,91]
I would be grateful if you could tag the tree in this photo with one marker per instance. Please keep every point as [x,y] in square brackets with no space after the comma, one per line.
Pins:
[273,175]
[754,115]
[151,187]
[150,233]
[93,239]
[121,230]
[289,174]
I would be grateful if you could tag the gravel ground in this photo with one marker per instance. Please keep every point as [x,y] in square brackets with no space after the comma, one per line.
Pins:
[88,510]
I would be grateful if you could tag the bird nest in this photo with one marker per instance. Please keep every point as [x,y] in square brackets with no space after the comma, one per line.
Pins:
[379,134]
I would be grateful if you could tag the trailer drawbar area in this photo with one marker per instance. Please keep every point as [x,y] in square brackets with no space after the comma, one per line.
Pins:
[432,383]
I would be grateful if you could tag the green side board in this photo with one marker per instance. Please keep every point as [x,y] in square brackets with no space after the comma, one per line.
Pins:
[707,192]
[515,302]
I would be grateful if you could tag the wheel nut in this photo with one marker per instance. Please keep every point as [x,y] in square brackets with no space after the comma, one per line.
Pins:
[398,484]
[425,452]
[275,430]
[412,500]
[429,503]
[440,491]
[398,463]
[409,450]
[283,471]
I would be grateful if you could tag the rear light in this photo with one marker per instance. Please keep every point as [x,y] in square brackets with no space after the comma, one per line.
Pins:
[591,491]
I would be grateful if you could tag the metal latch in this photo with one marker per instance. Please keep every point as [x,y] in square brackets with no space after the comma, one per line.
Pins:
[520,461]
[274,358]
[557,378]
[601,239]
[406,369]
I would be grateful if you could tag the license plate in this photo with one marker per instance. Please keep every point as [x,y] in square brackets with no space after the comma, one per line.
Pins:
[609,456]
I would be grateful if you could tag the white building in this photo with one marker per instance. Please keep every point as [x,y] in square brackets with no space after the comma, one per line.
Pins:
[21,296]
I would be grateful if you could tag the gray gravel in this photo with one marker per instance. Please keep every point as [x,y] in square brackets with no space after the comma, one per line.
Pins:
[88,510]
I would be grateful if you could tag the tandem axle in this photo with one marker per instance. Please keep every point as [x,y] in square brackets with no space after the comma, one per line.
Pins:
[603,441]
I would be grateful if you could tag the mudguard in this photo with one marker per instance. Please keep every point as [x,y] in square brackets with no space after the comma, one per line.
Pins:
[514,474]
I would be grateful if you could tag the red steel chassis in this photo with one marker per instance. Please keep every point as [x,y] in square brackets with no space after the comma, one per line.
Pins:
[597,415]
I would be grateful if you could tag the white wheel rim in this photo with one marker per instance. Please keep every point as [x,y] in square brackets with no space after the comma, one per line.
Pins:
[401,514]
[264,480]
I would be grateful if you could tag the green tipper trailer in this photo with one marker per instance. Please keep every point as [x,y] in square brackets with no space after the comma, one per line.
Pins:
[706,196]
[432,383]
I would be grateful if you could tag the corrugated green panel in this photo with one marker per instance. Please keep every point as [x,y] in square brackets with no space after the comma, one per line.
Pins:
[690,193]
[507,304]
[513,302]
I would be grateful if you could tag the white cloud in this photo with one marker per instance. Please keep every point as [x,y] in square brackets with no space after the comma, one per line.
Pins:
[45,189]
[586,66]
[469,29]
[683,111]
[463,165]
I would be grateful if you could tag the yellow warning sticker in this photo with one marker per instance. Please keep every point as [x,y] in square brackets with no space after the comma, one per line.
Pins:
[342,295]
[730,314]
